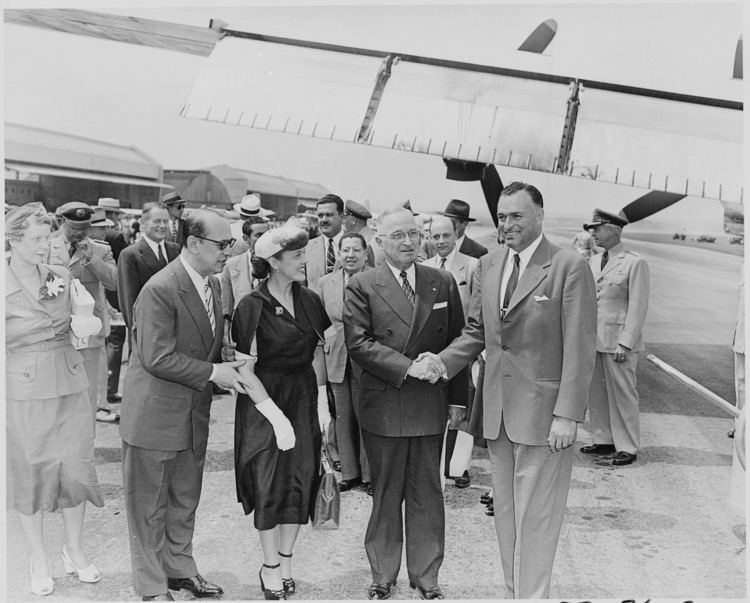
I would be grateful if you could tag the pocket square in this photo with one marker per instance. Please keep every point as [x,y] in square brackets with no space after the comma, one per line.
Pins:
[438,305]
[540,298]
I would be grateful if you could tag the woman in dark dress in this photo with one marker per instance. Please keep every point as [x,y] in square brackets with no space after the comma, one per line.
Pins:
[278,328]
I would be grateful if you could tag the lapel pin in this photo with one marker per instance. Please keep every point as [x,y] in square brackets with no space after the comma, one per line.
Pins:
[279,310]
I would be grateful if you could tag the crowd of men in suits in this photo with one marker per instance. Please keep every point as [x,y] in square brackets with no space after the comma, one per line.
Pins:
[551,333]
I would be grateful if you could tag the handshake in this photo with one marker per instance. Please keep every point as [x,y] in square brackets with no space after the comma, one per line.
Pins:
[427,367]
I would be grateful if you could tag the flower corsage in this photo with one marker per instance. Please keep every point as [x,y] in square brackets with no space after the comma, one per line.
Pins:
[52,287]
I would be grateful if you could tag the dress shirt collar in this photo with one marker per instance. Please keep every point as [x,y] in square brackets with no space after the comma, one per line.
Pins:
[411,274]
[524,256]
[449,258]
[198,280]
[336,239]
[155,246]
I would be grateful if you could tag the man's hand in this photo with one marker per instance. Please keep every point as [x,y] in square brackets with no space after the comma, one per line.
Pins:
[436,360]
[424,369]
[86,250]
[227,351]
[456,415]
[228,377]
[562,434]
[621,355]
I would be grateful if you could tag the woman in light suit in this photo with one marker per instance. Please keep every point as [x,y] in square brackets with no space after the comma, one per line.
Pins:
[49,421]
[342,375]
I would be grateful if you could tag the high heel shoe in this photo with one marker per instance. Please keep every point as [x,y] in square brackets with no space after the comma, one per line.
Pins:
[41,586]
[270,595]
[88,574]
[289,585]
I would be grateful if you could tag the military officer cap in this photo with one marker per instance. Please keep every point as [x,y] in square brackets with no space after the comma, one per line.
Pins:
[604,217]
[76,214]
[352,208]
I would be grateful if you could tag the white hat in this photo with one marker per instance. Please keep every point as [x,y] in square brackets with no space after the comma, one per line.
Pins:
[274,240]
[109,203]
[99,218]
[249,206]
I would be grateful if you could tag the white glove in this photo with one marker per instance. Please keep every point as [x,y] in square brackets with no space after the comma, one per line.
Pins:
[282,428]
[83,326]
[324,417]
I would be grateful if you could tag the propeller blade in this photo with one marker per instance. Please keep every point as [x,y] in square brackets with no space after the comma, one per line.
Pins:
[540,38]
[737,73]
[649,204]
[486,173]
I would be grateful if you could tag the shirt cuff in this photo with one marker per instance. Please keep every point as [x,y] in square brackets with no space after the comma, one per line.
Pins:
[213,372]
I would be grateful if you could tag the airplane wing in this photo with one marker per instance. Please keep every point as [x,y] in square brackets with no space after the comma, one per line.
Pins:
[674,143]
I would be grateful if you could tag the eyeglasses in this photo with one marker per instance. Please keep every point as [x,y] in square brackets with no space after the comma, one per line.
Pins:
[180,205]
[222,244]
[400,236]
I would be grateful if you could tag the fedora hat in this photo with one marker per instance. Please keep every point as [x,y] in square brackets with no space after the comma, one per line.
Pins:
[457,209]
[249,206]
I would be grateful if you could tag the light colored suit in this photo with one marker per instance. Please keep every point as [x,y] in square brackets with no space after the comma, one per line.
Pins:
[462,268]
[622,292]
[403,419]
[738,345]
[164,424]
[315,253]
[344,377]
[96,274]
[540,358]
[236,282]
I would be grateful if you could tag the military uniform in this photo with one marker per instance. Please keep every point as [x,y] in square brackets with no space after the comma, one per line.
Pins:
[622,292]
[96,274]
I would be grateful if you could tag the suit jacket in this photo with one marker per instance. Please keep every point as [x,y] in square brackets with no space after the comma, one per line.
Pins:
[136,266]
[540,358]
[332,294]
[462,268]
[236,282]
[315,252]
[622,291]
[167,394]
[97,274]
[384,334]
[472,248]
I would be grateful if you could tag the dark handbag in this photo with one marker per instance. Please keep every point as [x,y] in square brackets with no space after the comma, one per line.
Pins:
[325,512]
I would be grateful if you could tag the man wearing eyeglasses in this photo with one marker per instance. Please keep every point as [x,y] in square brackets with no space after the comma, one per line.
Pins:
[175,205]
[177,340]
[393,313]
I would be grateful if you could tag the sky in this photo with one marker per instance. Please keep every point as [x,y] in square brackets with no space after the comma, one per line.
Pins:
[132,95]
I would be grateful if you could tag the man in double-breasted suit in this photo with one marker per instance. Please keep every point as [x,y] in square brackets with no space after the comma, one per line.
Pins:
[177,339]
[622,291]
[393,313]
[533,308]
[139,262]
[92,263]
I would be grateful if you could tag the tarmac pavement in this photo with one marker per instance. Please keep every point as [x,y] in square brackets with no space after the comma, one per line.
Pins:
[662,528]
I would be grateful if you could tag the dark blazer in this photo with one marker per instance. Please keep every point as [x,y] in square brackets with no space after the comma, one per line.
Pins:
[167,394]
[540,358]
[180,233]
[137,264]
[472,248]
[384,334]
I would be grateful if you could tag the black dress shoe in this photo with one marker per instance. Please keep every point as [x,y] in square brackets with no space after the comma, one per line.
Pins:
[490,510]
[623,458]
[462,481]
[336,466]
[428,593]
[486,498]
[196,585]
[114,398]
[598,449]
[348,484]
[379,591]
[163,597]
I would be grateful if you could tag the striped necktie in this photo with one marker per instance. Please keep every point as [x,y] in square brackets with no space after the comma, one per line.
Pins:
[208,298]
[442,263]
[407,287]
[330,257]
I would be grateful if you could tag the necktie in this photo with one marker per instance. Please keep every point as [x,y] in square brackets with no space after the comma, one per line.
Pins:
[208,296]
[73,247]
[605,259]
[407,287]
[442,263]
[512,281]
[173,228]
[162,259]
[330,257]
